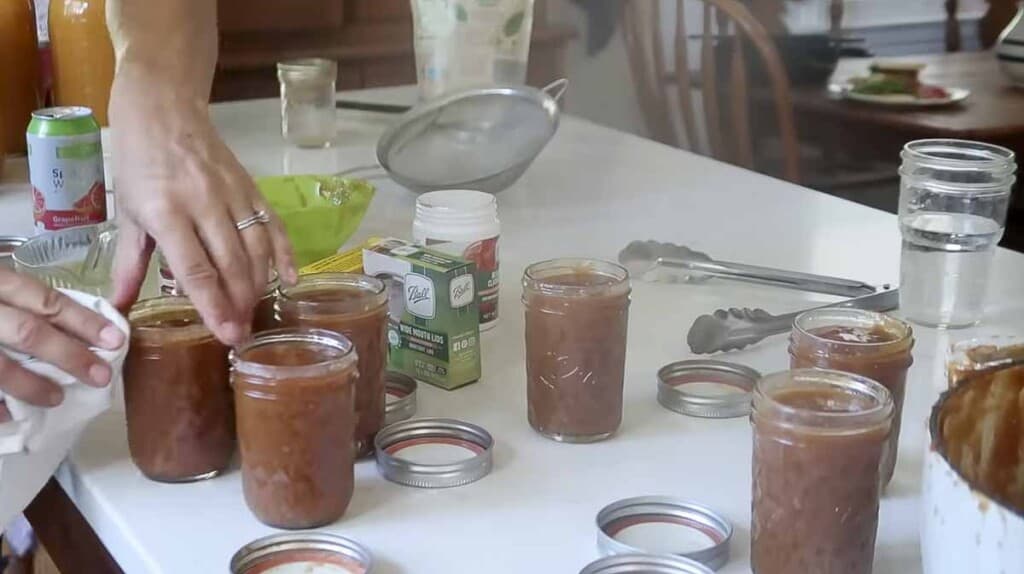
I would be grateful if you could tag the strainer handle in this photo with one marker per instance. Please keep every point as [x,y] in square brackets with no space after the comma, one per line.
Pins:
[556,89]
[371,171]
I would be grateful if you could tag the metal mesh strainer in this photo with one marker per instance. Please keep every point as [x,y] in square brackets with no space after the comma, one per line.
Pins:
[482,139]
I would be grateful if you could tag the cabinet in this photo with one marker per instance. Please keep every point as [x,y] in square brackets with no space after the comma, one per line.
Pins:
[370,39]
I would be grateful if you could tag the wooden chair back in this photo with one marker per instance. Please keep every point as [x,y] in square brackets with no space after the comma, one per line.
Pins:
[952,26]
[728,140]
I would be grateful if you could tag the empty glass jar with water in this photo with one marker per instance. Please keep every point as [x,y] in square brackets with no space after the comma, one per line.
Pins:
[953,200]
[307,101]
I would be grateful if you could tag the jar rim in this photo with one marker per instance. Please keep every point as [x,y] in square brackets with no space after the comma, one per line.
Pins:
[163,304]
[371,286]
[307,65]
[293,335]
[952,155]
[852,316]
[535,275]
[985,153]
[838,422]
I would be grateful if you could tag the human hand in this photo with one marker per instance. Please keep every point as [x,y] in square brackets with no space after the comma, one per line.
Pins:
[177,183]
[48,325]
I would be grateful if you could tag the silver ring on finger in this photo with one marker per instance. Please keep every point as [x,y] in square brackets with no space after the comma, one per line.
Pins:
[258,217]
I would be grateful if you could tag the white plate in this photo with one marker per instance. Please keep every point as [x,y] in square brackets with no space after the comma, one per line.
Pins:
[903,100]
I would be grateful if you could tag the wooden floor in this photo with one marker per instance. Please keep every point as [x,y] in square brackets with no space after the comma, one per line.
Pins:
[40,564]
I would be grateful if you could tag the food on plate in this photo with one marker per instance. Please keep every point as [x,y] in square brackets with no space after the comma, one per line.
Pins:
[896,79]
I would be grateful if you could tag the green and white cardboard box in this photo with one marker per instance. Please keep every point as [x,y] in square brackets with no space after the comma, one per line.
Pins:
[434,324]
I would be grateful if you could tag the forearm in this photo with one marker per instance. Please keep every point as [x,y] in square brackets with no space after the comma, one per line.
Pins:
[168,48]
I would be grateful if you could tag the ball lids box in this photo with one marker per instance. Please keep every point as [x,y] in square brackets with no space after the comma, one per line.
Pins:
[434,324]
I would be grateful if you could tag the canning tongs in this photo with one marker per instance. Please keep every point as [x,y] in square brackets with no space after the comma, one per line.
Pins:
[735,328]
[656,260]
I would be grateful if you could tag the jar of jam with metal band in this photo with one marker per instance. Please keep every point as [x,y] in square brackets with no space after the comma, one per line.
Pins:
[294,393]
[357,307]
[181,423]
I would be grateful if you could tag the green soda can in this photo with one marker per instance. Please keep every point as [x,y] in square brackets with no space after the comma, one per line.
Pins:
[65,162]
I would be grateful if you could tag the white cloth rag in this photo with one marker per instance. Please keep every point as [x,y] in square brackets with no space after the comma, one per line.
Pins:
[38,438]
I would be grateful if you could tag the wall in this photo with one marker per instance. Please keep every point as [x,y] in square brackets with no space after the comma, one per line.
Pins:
[600,84]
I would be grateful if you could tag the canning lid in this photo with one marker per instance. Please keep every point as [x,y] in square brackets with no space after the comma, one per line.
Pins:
[665,526]
[433,453]
[645,564]
[707,388]
[308,552]
[8,243]
[400,392]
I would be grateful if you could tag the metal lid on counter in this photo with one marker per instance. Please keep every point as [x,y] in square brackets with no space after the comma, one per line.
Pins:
[306,552]
[707,388]
[8,243]
[400,391]
[645,564]
[665,526]
[433,453]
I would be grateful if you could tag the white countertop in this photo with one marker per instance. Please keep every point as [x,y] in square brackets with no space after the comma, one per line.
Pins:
[590,192]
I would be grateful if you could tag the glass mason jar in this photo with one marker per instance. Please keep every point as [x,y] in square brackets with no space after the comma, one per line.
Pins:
[181,421]
[294,392]
[865,343]
[307,101]
[577,311]
[357,307]
[819,437]
[953,200]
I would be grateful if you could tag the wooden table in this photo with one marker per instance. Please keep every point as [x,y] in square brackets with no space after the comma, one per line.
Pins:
[994,112]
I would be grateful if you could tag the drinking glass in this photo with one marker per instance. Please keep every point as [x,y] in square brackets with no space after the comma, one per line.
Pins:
[307,101]
[952,211]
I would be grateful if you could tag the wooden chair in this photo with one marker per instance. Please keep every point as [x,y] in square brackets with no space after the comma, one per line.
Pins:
[952,26]
[726,113]
[997,17]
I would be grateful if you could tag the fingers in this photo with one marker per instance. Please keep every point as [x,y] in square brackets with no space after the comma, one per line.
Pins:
[281,248]
[254,238]
[27,386]
[131,262]
[33,335]
[257,246]
[46,305]
[197,274]
[227,253]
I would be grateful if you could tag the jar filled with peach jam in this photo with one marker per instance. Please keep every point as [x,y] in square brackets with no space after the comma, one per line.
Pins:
[294,393]
[181,420]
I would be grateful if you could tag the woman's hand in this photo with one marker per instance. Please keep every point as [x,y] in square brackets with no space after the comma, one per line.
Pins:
[48,325]
[177,183]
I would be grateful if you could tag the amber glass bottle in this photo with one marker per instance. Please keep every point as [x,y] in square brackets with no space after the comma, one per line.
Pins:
[19,73]
[83,56]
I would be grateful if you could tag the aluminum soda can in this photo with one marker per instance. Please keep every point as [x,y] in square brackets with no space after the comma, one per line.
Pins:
[65,162]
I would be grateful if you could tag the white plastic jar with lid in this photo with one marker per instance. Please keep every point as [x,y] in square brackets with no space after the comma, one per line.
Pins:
[464,223]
